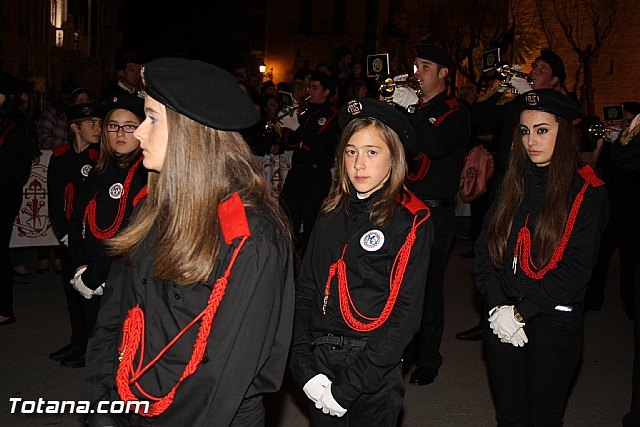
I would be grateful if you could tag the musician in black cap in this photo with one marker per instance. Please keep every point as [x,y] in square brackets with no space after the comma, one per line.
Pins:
[67,176]
[313,137]
[533,261]
[442,126]
[498,112]
[361,285]
[197,319]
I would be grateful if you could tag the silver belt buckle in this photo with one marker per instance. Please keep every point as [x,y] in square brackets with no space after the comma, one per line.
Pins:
[566,308]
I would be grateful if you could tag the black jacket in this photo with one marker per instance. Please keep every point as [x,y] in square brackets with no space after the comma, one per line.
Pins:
[564,285]
[246,350]
[368,279]
[443,128]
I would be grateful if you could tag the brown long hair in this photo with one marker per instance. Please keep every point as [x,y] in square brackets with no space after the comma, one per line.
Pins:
[107,155]
[560,182]
[202,167]
[381,210]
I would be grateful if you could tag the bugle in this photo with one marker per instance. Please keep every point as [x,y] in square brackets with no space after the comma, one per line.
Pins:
[300,109]
[388,87]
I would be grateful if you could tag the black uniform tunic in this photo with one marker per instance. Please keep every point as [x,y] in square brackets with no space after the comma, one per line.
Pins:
[246,351]
[107,188]
[368,275]
[531,383]
[66,178]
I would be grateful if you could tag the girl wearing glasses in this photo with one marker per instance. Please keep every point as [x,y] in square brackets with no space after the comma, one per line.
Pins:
[115,185]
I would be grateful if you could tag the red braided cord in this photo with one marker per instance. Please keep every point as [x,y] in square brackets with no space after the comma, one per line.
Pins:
[347,306]
[68,200]
[90,210]
[133,335]
[522,251]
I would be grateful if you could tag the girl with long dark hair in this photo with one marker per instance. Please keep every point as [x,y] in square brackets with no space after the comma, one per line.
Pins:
[534,259]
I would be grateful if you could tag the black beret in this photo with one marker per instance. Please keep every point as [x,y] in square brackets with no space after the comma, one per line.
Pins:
[631,107]
[201,91]
[551,101]
[554,61]
[80,112]
[9,85]
[126,101]
[435,54]
[372,108]
[325,80]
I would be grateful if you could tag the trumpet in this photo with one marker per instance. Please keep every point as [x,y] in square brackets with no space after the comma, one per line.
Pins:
[505,73]
[300,109]
[388,87]
[608,133]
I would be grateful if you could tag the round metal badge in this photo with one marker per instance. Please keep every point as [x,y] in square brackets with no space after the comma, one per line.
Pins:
[115,191]
[322,121]
[372,240]
[85,170]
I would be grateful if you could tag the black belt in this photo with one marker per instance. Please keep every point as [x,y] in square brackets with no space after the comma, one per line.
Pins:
[338,341]
[438,203]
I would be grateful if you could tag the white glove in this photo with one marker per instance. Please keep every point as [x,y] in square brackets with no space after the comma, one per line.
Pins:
[314,388]
[613,133]
[404,96]
[519,339]
[635,122]
[290,121]
[65,240]
[520,84]
[79,285]
[328,404]
[503,322]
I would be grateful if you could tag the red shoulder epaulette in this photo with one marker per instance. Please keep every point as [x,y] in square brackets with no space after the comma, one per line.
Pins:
[453,105]
[61,149]
[412,203]
[233,219]
[141,195]
[94,154]
[588,174]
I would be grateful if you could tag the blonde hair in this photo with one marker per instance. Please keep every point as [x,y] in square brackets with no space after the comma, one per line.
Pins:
[382,209]
[202,167]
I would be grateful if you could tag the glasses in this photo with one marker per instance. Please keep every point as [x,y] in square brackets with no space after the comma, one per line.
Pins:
[112,127]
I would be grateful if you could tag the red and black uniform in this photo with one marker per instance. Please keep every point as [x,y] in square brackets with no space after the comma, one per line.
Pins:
[309,180]
[350,259]
[443,128]
[66,180]
[108,203]
[244,352]
[549,299]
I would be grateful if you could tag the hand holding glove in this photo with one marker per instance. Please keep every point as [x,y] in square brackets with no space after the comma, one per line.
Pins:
[315,387]
[290,121]
[520,84]
[65,240]
[328,404]
[404,96]
[83,289]
[503,323]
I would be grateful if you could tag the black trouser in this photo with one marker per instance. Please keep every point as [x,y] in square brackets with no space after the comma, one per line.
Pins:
[633,417]
[381,408]
[11,206]
[531,383]
[75,301]
[303,193]
[430,335]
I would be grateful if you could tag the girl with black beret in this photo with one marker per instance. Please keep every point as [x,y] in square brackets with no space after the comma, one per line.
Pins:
[361,285]
[533,261]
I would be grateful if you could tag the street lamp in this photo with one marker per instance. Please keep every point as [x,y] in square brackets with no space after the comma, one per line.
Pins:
[263,70]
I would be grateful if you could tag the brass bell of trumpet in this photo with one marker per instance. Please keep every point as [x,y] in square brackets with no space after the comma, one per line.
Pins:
[388,87]
[505,73]
[300,109]
[608,133]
